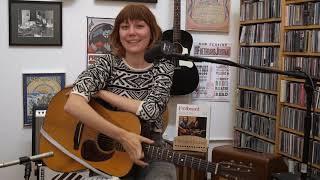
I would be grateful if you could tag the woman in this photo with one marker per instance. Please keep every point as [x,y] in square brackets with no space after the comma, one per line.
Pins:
[128,83]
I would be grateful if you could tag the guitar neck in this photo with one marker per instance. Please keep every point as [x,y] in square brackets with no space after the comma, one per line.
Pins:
[176,21]
[158,153]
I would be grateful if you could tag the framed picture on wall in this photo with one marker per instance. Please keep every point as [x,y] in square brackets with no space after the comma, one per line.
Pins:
[38,90]
[209,15]
[35,23]
[98,31]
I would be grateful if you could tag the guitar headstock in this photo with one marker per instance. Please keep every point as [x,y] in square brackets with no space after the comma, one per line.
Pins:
[233,170]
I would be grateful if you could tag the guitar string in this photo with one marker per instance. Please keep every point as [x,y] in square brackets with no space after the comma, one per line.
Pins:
[196,162]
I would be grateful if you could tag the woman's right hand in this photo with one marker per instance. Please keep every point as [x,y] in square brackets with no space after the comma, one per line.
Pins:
[131,142]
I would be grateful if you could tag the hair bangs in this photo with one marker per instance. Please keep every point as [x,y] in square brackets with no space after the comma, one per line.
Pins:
[134,13]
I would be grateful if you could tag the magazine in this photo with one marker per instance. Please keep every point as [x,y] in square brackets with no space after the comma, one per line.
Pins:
[193,120]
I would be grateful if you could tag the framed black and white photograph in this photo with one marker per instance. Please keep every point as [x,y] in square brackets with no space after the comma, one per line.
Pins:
[38,90]
[35,23]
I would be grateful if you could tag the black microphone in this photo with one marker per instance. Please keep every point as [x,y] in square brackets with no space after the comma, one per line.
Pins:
[159,51]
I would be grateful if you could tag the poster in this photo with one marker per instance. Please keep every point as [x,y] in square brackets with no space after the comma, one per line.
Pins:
[98,31]
[38,90]
[193,120]
[214,79]
[208,15]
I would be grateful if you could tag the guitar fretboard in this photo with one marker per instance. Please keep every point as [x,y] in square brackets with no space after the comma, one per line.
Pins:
[176,21]
[158,153]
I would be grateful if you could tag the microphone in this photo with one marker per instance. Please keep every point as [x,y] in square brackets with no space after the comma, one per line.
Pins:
[159,51]
[25,159]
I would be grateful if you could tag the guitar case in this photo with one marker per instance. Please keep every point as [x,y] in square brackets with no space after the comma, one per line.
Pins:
[264,164]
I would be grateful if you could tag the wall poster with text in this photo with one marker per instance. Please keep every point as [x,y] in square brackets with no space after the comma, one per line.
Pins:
[214,79]
[208,15]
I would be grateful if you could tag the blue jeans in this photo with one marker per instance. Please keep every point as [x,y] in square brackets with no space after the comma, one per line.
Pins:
[156,170]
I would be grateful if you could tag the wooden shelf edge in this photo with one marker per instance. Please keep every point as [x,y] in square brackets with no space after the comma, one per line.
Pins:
[297,106]
[301,54]
[256,112]
[302,27]
[299,1]
[259,90]
[255,135]
[259,21]
[293,131]
[297,159]
[260,44]
[289,156]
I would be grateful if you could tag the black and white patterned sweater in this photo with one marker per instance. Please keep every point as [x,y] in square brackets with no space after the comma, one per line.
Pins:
[151,85]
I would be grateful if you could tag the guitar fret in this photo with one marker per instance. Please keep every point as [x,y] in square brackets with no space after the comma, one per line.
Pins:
[171,156]
[152,152]
[158,153]
[192,158]
[148,148]
[207,166]
[157,149]
[176,21]
[184,158]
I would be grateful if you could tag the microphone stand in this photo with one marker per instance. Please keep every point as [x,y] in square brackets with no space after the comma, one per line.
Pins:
[308,85]
[26,161]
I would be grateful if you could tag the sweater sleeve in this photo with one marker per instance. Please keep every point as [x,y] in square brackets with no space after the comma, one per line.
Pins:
[94,78]
[155,104]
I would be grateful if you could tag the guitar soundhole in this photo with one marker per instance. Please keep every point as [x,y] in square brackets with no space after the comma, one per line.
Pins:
[105,143]
[178,48]
[90,152]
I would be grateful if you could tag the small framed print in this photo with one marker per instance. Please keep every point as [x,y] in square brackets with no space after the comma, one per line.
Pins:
[98,31]
[35,23]
[38,90]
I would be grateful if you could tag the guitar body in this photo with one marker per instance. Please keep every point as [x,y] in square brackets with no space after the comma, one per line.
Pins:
[185,78]
[102,156]
[67,137]
[186,39]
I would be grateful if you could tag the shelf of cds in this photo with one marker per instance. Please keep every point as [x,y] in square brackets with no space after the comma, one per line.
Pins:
[271,109]
[257,112]
[301,52]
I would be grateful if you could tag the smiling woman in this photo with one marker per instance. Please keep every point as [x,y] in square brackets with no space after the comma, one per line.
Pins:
[128,83]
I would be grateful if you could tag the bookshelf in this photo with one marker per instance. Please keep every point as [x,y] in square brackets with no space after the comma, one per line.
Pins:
[300,32]
[280,34]
[257,113]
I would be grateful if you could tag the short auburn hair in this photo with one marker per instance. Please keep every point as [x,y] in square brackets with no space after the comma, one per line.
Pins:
[134,12]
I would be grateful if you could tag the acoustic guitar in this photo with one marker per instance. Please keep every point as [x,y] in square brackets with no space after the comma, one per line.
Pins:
[77,147]
[186,76]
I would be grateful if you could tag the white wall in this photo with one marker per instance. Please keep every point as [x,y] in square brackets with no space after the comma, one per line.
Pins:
[70,58]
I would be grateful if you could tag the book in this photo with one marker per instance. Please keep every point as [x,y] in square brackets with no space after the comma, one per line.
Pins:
[193,120]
